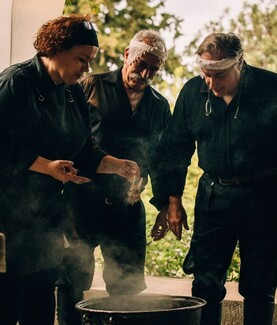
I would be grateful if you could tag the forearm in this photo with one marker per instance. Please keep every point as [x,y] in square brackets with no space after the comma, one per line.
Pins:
[175,199]
[122,167]
[40,165]
[108,165]
[61,170]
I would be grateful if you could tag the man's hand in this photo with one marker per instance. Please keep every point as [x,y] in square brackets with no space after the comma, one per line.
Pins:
[160,227]
[122,167]
[128,169]
[135,190]
[172,217]
[176,216]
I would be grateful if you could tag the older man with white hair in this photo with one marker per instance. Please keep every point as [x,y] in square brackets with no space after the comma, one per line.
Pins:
[128,118]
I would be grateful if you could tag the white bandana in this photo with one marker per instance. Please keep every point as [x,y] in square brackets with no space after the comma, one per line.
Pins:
[217,64]
[136,49]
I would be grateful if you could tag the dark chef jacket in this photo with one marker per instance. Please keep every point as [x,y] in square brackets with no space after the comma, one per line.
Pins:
[227,145]
[38,118]
[126,134]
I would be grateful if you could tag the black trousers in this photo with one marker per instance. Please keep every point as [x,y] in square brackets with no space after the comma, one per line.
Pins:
[76,274]
[224,216]
[119,229]
[28,299]
[123,243]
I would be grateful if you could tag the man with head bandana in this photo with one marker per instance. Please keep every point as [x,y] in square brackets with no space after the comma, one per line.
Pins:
[128,118]
[229,113]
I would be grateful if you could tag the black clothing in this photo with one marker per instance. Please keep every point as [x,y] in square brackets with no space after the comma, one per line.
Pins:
[211,314]
[223,216]
[120,230]
[29,298]
[38,118]
[51,126]
[105,218]
[258,313]
[235,140]
[226,146]
[77,268]
[132,135]
[123,133]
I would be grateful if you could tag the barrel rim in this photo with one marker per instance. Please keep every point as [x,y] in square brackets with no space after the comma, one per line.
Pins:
[82,305]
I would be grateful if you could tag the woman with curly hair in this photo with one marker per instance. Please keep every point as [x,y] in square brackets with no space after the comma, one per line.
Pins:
[45,142]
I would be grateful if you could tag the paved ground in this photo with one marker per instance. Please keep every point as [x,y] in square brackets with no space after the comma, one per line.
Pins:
[232,313]
[165,285]
[232,304]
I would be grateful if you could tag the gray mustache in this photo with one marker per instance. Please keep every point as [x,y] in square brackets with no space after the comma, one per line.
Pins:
[137,76]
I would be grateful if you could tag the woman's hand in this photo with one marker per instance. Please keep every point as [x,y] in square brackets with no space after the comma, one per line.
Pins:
[61,170]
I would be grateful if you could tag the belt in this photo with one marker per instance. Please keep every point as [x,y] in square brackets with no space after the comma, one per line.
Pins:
[234,180]
[244,179]
[113,200]
[116,201]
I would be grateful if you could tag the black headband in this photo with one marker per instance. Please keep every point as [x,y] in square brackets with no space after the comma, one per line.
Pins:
[84,34]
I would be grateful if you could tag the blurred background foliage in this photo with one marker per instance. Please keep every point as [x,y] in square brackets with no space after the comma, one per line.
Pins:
[117,21]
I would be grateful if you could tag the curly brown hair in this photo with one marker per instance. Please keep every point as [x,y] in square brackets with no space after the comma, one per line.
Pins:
[58,35]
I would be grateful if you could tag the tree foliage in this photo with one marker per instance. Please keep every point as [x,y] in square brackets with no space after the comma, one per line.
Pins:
[256,25]
[118,20]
